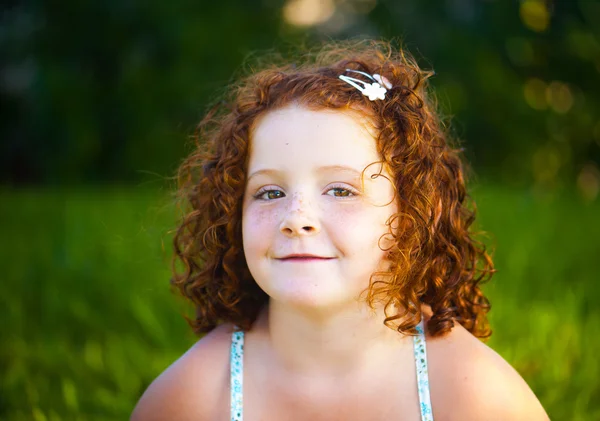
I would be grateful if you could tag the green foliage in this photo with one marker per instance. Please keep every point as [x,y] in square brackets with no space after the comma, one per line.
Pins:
[89,320]
[108,90]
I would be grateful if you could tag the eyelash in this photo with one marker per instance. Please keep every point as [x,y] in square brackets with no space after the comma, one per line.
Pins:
[264,190]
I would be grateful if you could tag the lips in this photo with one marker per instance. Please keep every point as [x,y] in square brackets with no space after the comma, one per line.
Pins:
[303,258]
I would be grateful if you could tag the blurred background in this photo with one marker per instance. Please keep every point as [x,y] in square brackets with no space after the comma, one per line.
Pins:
[98,100]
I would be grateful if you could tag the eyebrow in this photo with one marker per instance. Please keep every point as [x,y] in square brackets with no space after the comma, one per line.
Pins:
[324,169]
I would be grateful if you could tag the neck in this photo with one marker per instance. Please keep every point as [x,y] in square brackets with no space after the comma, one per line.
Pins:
[347,342]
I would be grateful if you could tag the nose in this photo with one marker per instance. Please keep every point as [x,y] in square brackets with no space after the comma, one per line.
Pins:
[300,218]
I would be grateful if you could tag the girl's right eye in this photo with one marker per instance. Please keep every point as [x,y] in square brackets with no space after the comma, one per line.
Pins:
[269,194]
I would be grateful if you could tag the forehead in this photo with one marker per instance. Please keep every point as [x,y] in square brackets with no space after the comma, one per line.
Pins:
[297,136]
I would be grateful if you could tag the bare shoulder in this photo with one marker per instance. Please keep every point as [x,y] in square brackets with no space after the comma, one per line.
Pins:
[195,387]
[470,381]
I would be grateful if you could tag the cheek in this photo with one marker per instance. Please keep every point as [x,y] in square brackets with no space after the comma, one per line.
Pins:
[358,229]
[257,227]
[253,219]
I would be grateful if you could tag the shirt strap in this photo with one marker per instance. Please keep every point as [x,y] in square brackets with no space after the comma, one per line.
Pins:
[422,373]
[236,384]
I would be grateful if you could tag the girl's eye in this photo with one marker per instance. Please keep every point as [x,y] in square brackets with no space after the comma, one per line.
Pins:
[269,194]
[340,192]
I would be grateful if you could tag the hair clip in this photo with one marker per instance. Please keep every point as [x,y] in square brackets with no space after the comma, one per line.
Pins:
[375,90]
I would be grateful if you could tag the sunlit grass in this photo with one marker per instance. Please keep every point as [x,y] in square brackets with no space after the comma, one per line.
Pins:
[89,320]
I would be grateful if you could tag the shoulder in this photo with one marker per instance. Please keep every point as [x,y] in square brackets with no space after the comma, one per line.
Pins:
[195,387]
[470,381]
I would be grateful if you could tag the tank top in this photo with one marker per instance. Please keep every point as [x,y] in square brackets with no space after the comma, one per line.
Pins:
[237,374]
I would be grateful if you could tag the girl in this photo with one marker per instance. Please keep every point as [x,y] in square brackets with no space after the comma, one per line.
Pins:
[328,254]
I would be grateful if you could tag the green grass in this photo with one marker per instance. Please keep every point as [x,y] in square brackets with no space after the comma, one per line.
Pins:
[89,319]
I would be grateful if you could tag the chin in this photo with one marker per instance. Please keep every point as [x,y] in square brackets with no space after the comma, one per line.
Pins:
[310,295]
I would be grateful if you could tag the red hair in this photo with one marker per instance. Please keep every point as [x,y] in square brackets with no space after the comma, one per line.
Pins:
[435,259]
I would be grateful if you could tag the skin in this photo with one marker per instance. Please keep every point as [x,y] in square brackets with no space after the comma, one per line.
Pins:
[316,352]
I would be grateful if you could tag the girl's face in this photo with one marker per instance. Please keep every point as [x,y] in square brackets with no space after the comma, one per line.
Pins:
[311,225]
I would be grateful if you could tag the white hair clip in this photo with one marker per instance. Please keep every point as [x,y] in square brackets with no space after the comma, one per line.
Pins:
[375,90]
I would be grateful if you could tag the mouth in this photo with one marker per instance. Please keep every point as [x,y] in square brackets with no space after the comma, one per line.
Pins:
[303,258]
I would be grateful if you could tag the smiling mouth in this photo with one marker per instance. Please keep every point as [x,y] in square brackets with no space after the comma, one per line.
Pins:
[305,259]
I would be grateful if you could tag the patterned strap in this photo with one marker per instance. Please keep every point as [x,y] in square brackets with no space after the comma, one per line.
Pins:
[422,374]
[236,361]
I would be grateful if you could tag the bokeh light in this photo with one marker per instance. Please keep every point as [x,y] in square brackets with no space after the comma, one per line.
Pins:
[546,163]
[559,96]
[535,15]
[308,12]
[535,93]
[588,181]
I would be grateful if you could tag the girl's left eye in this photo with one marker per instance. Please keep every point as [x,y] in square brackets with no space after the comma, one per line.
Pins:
[340,192]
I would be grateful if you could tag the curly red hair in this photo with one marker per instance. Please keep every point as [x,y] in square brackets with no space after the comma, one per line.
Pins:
[435,260]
